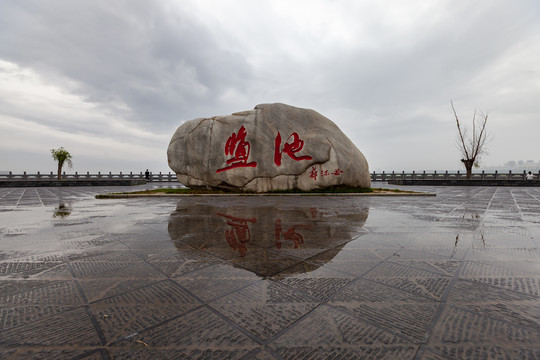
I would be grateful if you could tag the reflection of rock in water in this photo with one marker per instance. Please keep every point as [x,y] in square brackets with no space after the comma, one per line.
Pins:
[63,210]
[265,235]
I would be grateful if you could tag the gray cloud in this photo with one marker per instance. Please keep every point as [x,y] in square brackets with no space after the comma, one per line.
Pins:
[385,71]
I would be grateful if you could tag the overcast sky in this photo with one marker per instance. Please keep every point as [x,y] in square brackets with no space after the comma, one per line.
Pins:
[112,80]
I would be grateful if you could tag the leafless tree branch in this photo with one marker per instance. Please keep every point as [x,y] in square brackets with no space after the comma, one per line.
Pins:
[472,148]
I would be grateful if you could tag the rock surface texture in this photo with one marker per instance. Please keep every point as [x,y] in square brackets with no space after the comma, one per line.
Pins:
[272,147]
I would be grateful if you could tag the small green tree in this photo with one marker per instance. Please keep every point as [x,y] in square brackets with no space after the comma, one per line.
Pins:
[61,155]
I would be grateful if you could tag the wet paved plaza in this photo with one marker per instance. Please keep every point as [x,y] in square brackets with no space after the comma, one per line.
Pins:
[456,276]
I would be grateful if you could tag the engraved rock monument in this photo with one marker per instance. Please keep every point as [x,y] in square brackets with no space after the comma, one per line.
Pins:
[272,147]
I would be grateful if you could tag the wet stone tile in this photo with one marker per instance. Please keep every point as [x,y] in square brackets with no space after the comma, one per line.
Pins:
[448,277]
[115,270]
[265,262]
[320,283]
[52,353]
[472,291]
[472,329]
[349,337]
[71,328]
[214,281]
[410,320]
[139,351]
[262,354]
[213,337]
[264,308]
[39,292]
[482,352]
[19,315]
[521,313]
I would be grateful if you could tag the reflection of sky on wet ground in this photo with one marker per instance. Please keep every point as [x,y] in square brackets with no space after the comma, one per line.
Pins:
[266,237]
[451,276]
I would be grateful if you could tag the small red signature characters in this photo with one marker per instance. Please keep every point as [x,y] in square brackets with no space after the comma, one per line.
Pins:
[313,173]
[337,172]
[289,148]
[239,235]
[290,234]
[239,149]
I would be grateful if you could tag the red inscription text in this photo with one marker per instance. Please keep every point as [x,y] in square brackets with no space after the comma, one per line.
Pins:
[289,148]
[239,149]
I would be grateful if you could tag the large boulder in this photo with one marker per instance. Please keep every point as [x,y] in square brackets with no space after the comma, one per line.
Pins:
[272,147]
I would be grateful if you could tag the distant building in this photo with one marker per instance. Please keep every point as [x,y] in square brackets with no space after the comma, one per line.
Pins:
[514,166]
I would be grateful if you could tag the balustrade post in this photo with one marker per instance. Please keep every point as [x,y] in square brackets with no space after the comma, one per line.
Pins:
[110,175]
[524,175]
[496,174]
[76,175]
[51,177]
[424,175]
[483,175]
[446,175]
[38,176]
[457,175]
[24,175]
[10,176]
[435,175]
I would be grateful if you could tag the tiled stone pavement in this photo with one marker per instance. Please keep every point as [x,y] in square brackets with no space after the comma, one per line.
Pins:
[456,276]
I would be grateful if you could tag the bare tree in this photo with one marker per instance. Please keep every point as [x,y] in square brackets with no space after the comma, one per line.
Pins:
[472,148]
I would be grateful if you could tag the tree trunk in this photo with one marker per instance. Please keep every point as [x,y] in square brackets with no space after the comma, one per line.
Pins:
[469,172]
[468,166]
[60,170]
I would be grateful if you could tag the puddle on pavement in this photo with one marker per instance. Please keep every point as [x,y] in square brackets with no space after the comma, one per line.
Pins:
[265,237]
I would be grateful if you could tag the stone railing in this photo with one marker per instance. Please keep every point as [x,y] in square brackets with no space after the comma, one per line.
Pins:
[375,176]
[88,176]
[391,176]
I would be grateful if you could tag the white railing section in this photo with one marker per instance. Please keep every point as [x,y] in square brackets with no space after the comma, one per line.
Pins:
[88,176]
[384,176]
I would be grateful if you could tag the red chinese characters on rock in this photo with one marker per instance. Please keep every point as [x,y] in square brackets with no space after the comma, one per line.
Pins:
[289,235]
[314,173]
[239,235]
[289,148]
[239,149]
